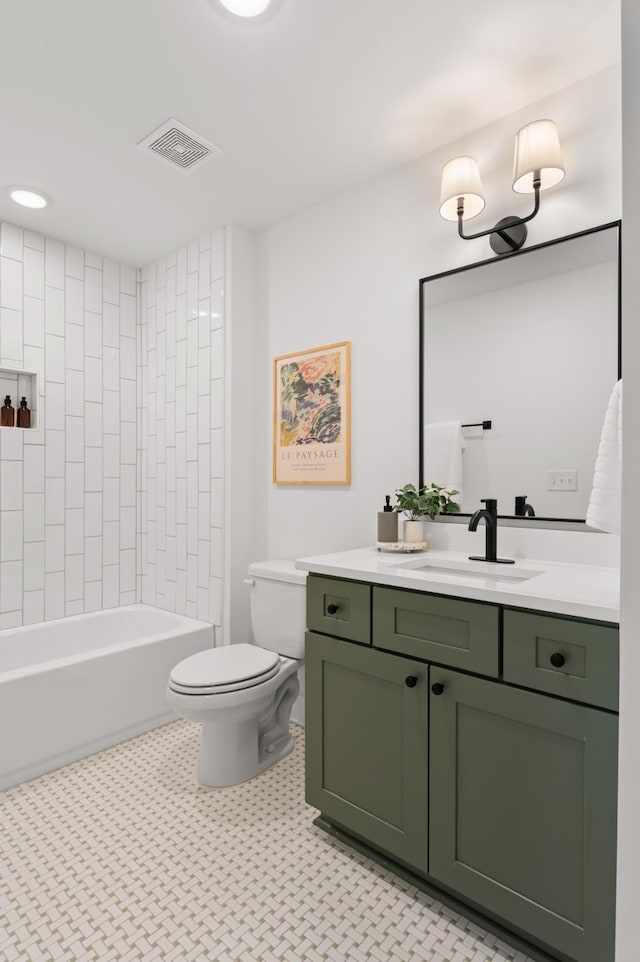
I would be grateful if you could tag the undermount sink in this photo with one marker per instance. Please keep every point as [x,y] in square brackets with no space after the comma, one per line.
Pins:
[470,571]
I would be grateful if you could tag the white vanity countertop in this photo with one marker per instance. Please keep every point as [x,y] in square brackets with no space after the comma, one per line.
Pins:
[582,591]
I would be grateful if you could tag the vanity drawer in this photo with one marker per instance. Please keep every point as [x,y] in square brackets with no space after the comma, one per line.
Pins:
[462,634]
[340,608]
[573,659]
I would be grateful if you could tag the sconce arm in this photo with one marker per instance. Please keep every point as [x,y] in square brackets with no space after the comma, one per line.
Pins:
[503,233]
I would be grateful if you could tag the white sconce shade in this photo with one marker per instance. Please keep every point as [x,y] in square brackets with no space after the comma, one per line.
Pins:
[461,178]
[537,148]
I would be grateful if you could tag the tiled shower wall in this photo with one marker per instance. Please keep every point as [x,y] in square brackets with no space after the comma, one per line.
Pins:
[67,489]
[181,339]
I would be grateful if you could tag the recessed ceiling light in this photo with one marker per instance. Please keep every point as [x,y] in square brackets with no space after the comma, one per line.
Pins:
[246,8]
[27,198]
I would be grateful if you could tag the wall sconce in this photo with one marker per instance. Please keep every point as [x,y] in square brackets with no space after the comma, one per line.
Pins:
[537,165]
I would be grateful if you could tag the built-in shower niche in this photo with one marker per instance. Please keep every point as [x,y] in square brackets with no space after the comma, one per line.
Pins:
[18,384]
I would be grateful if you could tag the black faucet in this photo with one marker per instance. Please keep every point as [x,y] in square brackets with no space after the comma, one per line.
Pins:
[523,509]
[490,515]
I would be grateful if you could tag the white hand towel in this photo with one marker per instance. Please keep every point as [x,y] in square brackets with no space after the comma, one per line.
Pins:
[444,443]
[605,502]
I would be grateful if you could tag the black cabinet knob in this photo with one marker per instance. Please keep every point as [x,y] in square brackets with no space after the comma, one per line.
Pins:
[437,688]
[332,609]
[411,681]
[557,660]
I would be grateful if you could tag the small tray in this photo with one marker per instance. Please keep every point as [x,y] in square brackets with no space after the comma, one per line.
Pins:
[402,547]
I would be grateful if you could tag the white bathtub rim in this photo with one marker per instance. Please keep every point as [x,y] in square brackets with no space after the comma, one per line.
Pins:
[186,626]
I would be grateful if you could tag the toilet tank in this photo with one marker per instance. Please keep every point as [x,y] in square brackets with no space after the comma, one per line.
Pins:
[278,607]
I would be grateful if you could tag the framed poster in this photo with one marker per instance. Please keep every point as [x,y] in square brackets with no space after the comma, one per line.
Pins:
[311,416]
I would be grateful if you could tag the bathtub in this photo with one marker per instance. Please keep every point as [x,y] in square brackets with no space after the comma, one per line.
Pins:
[75,686]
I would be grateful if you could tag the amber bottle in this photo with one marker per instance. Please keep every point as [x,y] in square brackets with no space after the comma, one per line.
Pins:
[7,414]
[23,418]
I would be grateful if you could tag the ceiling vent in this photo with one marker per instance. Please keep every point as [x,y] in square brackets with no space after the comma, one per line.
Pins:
[179,147]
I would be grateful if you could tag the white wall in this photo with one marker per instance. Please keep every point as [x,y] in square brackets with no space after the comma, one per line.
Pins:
[348,269]
[629,796]
[182,408]
[67,490]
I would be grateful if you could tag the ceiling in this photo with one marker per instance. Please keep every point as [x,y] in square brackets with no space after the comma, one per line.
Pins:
[304,102]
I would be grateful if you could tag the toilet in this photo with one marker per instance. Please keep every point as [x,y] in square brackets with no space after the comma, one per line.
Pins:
[243,694]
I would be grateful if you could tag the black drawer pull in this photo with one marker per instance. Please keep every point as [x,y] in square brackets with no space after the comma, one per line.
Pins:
[332,609]
[411,681]
[437,688]
[557,660]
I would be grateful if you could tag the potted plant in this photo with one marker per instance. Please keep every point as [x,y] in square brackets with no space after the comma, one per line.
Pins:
[428,501]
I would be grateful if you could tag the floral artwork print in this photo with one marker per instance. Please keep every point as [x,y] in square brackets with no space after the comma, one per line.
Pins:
[310,401]
[311,416]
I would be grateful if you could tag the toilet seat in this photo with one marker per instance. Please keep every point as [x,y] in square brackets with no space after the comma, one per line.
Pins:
[219,670]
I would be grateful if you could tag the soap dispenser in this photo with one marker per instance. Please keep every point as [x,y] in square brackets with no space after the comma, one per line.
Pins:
[7,413]
[387,523]
[23,419]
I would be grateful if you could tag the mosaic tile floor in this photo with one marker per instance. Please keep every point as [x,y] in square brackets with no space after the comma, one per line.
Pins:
[121,857]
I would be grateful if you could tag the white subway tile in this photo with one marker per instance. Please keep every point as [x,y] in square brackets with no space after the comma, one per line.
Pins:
[93,334]
[11,241]
[11,579]
[33,612]
[11,541]
[111,499]
[34,469]
[74,262]
[204,371]
[217,456]
[204,322]
[93,559]
[93,424]
[217,305]
[54,547]
[54,501]
[11,486]
[128,358]
[192,257]
[111,459]
[110,281]
[74,302]
[217,556]
[127,527]
[92,514]
[74,439]
[55,358]
[73,608]
[33,273]
[54,263]
[181,271]
[110,411]
[110,325]
[74,484]
[55,405]
[93,469]
[92,259]
[93,289]
[204,467]
[74,531]
[217,507]
[55,454]
[128,449]
[192,297]
[11,293]
[75,394]
[54,312]
[127,279]
[110,542]
[12,445]
[93,380]
[204,515]
[54,595]
[216,404]
[33,322]
[128,400]
[204,275]
[203,564]
[217,354]
[204,243]
[34,566]
[93,595]
[74,578]
[111,369]
[74,347]
[11,335]
[215,601]
[33,517]
[35,241]
[127,570]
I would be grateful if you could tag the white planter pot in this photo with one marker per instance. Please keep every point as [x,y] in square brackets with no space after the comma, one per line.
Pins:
[413,531]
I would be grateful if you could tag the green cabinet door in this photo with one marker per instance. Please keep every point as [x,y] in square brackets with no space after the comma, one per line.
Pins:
[523,810]
[367,743]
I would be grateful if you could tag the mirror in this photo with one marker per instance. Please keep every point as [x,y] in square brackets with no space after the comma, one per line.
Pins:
[523,351]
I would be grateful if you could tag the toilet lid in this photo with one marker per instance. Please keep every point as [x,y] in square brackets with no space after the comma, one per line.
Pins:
[219,668]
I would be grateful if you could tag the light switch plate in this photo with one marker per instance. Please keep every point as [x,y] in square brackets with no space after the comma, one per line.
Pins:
[566,480]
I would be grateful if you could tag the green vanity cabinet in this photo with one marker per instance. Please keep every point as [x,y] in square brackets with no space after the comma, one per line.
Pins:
[366,744]
[523,810]
[475,745]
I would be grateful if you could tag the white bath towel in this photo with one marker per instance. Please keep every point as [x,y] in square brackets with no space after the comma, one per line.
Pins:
[605,501]
[444,443]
